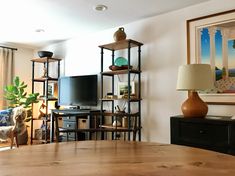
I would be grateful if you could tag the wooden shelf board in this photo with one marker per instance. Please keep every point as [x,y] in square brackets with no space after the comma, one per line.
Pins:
[119,72]
[120,114]
[123,44]
[113,127]
[47,99]
[44,79]
[44,59]
[124,99]
[36,118]
[101,129]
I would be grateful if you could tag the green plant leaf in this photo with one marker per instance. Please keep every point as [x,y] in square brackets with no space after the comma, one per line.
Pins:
[22,86]
[17,96]
[9,88]
[17,81]
[22,83]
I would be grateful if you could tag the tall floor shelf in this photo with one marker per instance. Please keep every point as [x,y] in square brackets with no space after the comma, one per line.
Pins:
[133,118]
[45,79]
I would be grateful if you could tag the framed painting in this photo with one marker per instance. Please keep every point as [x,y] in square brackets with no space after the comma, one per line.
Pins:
[52,90]
[211,40]
[123,88]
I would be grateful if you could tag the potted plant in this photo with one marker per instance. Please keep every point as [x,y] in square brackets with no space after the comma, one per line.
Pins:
[17,96]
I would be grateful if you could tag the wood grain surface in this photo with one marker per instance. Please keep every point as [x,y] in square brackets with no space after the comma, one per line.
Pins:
[114,158]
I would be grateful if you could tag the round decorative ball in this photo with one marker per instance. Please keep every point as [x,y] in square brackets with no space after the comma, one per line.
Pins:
[120,61]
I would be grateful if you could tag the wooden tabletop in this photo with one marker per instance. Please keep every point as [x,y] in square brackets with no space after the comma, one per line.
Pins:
[114,158]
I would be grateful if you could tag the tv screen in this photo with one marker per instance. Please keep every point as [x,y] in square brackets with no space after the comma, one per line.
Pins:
[78,90]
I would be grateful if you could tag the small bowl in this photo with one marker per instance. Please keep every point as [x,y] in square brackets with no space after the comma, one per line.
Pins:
[45,54]
[123,67]
[114,67]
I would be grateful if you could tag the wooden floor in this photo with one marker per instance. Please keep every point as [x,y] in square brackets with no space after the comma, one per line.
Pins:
[8,143]
[5,144]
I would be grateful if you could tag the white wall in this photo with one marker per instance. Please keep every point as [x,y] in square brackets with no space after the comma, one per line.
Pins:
[164,49]
[23,67]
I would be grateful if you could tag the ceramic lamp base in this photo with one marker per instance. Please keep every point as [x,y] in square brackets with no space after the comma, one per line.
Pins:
[194,106]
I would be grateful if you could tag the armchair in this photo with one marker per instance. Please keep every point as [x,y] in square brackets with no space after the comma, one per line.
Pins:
[12,124]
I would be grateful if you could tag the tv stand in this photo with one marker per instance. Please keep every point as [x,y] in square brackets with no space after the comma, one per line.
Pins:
[80,108]
[86,109]
[74,107]
[77,114]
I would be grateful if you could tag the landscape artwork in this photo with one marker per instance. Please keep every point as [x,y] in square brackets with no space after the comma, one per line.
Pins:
[223,56]
[211,40]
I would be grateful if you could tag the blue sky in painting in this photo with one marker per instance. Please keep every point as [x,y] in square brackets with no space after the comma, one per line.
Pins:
[205,52]
[205,47]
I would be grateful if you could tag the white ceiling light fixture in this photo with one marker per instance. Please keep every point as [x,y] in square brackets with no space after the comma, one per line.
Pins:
[39,30]
[100,7]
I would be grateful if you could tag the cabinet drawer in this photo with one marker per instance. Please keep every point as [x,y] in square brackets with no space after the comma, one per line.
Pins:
[202,133]
[69,125]
[71,135]
[69,118]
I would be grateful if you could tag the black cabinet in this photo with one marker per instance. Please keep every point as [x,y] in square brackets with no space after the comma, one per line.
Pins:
[215,133]
[71,123]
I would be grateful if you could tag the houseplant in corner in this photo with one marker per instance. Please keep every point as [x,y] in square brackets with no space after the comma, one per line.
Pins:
[17,96]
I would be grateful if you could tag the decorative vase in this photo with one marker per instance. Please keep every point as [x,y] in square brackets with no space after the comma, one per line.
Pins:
[117,123]
[124,122]
[119,34]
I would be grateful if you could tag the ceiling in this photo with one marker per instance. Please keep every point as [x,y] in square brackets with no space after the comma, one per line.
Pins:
[64,19]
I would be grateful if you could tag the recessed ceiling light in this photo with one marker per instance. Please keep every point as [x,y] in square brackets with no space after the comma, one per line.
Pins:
[100,7]
[39,30]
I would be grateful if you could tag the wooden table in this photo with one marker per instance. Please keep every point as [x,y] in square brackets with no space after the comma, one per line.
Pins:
[114,158]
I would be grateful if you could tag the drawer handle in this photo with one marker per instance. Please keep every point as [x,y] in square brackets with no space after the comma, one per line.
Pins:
[68,125]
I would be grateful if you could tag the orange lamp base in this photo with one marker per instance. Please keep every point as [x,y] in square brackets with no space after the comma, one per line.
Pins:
[194,106]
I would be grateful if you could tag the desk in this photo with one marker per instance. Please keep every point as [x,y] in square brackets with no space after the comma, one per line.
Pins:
[56,113]
[114,158]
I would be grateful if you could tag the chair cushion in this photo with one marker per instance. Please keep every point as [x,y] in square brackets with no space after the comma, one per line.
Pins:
[6,117]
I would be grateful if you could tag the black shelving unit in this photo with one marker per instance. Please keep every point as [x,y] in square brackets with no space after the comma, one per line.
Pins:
[44,80]
[134,119]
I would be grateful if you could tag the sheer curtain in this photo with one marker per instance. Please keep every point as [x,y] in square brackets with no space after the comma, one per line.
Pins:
[6,72]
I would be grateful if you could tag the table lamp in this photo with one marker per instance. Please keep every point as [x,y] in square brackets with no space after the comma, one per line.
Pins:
[194,77]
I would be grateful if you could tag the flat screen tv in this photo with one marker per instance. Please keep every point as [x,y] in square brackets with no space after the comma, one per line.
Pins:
[78,90]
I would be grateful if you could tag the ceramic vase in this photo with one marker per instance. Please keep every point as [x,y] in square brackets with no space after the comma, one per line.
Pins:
[119,35]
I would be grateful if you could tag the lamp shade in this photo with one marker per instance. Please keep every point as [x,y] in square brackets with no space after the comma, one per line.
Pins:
[194,77]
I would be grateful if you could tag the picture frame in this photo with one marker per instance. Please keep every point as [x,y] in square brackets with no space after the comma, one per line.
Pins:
[123,88]
[211,40]
[52,90]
